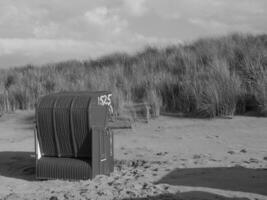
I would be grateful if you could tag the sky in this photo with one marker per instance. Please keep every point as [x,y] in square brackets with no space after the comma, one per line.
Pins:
[38,31]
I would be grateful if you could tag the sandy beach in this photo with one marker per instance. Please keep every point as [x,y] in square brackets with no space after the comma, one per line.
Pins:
[167,158]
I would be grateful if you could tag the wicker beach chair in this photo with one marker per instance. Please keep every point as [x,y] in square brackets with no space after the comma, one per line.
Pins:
[72,140]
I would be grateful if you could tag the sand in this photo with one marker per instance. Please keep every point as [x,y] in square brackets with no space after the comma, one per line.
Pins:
[167,158]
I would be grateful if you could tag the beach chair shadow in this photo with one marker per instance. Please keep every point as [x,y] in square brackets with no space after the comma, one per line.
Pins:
[232,178]
[20,165]
[195,195]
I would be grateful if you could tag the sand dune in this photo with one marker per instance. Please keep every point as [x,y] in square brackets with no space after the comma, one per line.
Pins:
[168,158]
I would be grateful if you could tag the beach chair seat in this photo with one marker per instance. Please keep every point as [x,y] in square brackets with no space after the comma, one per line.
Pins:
[64,168]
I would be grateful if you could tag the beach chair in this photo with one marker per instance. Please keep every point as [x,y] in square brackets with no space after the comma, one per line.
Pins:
[72,140]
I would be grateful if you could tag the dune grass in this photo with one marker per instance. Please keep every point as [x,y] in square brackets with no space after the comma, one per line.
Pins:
[207,78]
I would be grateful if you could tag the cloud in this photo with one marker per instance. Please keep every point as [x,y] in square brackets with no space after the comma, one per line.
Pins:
[135,7]
[212,24]
[33,46]
[22,14]
[98,16]
[17,52]
[44,31]
[106,18]
[172,16]
[36,47]
[152,40]
[19,21]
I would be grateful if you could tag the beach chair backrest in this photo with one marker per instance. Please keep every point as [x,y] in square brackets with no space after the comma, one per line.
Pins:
[65,121]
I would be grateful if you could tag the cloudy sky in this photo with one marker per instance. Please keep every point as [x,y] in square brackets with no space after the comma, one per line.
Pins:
[38,31]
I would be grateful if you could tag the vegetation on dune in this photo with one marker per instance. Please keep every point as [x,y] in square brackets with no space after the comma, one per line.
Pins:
[207,78]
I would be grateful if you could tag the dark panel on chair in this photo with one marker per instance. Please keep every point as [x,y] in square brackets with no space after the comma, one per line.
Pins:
[110,145]
[81,125]
[62,126]
[98,114]
[45,126]
[95,152]
[101,156]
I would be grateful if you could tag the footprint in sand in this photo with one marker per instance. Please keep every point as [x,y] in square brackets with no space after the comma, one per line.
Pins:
[243,151]
[197,156]
[236,151]
[155,169]
[231,152]
[251,160]
[82,191]
[214,160]
[53,198]
[161,153]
